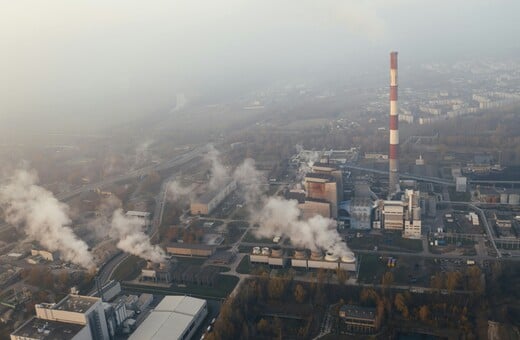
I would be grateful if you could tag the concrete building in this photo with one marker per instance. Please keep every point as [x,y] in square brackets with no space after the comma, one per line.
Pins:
[42,329]
[461,184]
[207,202]
[157,272]
[360,320]
[393,215]
[323,186]
[412,223]
[175,317]
[77,309]
[360,211]
[332,170]
[313,206]
[186,249]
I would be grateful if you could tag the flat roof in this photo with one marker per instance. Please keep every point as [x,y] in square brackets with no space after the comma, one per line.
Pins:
[206,197]
[169,319]
[320,176]
[358,312]
[76,303]
[190,246]
[138,213]
[37,328]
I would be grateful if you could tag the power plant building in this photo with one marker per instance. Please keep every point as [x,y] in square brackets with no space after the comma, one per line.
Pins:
[207,202]
[85,312]
[175,317]
[323,186]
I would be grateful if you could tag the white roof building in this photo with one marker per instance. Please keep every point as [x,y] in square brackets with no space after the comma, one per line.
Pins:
[175,317]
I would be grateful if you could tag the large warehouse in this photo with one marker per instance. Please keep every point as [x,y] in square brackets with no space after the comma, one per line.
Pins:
[175,317]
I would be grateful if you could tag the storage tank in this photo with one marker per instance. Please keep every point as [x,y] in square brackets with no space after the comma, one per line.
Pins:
[349,258]
[265,251]
[503,198]
[300,254]
[514,199]
[316,255]
[256,250]
[330,257]
[276,252]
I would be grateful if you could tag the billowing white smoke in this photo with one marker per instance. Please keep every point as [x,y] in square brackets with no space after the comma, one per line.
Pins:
[42,217]
[250,180]
[176,191]
[278,216]
[307,160]
[219,173]
[132,239]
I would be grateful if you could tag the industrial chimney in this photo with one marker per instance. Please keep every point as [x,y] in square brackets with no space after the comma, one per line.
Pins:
[393,163]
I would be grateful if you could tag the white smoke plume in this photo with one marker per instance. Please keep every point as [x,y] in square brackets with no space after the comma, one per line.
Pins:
[132,239]
[42,217]
[101,223]
[250,181]
[219,173]
[176,191]
[278,216]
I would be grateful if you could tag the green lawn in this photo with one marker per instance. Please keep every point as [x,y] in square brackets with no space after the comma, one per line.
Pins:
[371,269]
[387,241]
[244,267]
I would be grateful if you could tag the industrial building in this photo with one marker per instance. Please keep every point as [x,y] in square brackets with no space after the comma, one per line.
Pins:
[187,249]
[74,317]
[332,170]
[412,223]
[303,258]
[323,186]
[175,317]
[142,216]
[42,329]
[360,320]
[207,202]
[393,215]
[404,215]
[314,206]
[360,211]
[157,272]
[461,184]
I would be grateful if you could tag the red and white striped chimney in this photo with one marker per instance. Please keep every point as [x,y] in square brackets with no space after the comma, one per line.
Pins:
[393,163]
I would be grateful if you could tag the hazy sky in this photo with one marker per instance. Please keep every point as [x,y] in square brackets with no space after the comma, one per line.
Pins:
[64,62]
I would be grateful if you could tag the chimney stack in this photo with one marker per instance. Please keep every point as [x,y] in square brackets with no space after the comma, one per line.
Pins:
[393,163]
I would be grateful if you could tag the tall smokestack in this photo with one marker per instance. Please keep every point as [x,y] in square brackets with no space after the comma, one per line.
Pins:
[393,165]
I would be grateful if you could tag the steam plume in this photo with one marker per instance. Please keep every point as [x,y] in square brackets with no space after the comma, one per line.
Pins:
[132,239]
[42,217]
[219,173]
[176,191]
[278,216]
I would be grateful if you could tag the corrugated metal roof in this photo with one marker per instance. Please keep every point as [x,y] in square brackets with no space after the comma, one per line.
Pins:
[169,319]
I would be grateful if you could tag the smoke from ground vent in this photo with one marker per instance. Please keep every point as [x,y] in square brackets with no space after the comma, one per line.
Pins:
[42,217]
